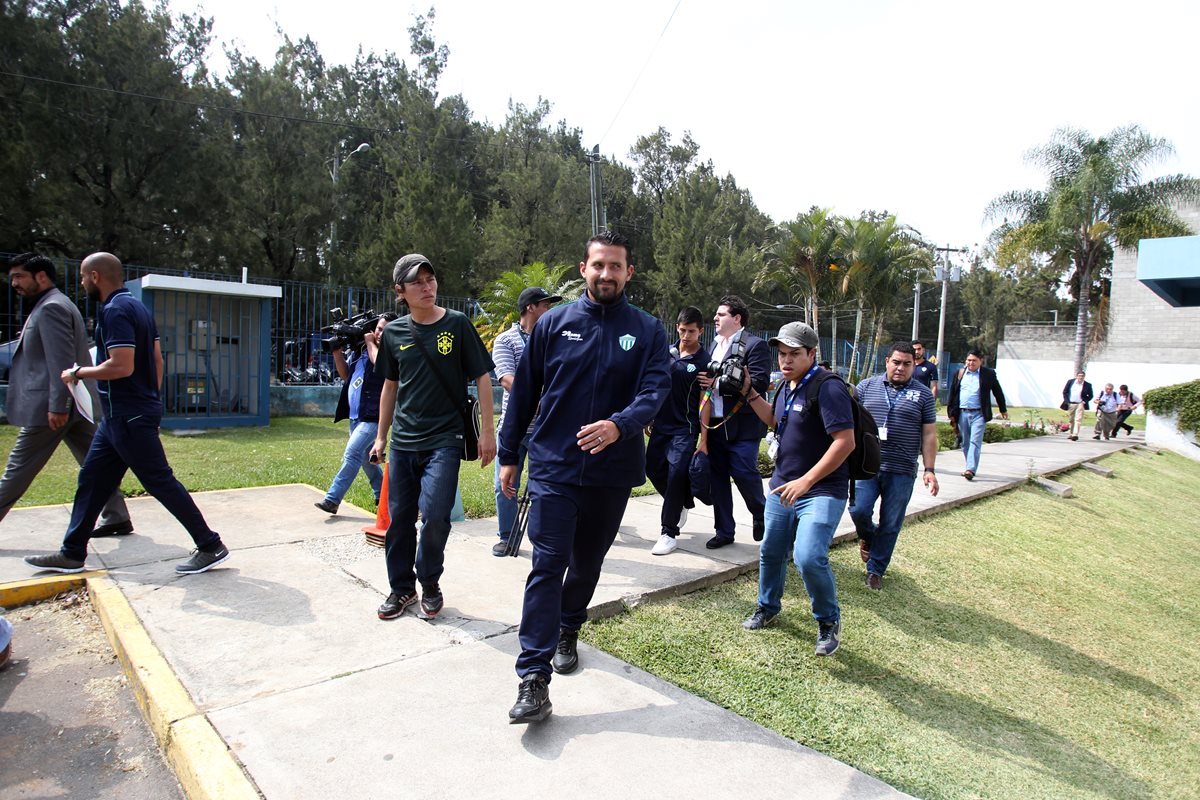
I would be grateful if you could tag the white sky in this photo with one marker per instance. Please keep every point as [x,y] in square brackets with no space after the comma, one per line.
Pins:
[924,109]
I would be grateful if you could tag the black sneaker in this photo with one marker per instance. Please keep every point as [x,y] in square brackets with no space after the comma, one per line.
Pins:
[113,529]
[827,641]
[760,526]
[533,701]
[566,656]
[202,561]
[55,562]
[331,508]
[758,620]
[500,548]
[395,604]
[431,600]
[717,541]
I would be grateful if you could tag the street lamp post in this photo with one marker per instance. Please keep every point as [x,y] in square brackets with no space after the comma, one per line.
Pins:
[946,275]
[333,173]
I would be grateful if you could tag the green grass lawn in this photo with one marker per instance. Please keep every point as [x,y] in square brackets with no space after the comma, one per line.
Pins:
[1023,646]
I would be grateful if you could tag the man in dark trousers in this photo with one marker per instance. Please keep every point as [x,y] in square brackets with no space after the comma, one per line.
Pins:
[595,371]
[970,406]
[1076,396]
[130,373]
[924,370]
[53,339]
[729,430]
[673,437]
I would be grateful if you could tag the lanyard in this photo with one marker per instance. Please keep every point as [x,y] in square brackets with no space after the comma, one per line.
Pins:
[892,401]
[788,399]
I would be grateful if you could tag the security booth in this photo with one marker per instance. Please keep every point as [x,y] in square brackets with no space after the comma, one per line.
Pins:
[215,338]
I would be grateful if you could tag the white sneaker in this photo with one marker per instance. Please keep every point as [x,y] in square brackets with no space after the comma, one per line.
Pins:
[682,518]
[666,544]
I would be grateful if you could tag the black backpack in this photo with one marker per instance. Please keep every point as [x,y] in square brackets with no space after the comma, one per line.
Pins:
[864,460]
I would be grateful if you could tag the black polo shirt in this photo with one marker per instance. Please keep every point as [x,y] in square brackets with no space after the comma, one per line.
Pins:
[124,322]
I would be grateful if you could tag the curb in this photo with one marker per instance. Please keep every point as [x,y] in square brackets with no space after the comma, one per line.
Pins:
[35,590]
[203,763]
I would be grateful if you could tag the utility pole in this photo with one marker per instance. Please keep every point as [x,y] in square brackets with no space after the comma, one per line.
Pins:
[916,311]
[945,274]
[333,173]
[599,217]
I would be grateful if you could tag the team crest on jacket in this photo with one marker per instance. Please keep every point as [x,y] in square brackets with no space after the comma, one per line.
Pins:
[626,341]
[445,342]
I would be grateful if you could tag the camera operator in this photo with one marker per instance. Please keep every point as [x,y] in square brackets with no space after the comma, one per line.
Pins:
[729,430]
[359,402]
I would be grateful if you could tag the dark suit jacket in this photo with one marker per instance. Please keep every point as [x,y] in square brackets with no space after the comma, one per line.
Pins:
[988,386]
[745,424]
[1086,394]
[54,338]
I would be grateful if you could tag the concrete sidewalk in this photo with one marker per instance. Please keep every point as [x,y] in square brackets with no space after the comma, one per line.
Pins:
[281,652]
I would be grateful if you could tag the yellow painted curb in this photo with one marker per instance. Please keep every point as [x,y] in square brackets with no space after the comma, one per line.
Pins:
[205,767]
[35,590]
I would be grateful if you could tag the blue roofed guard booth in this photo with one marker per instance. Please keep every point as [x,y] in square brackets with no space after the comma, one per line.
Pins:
[1170,267]
[215,338]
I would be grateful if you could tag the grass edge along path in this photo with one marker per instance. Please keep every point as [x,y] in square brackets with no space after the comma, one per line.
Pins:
[1023,646]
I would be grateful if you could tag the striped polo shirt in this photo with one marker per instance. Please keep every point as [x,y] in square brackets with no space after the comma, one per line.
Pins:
[904,412]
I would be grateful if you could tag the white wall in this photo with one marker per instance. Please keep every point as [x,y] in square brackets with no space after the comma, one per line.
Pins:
[1029,382]
[1161,431]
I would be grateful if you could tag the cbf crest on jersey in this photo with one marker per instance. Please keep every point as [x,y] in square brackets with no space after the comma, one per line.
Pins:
[445,342]
[627,341]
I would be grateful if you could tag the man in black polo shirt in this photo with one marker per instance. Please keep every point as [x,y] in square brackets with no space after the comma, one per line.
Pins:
[924,370]
[129,372]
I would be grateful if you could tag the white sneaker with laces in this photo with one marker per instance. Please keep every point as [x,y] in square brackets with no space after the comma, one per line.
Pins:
[666,544]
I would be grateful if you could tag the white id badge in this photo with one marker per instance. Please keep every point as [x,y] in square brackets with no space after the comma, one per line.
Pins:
[773,447]
[883,434]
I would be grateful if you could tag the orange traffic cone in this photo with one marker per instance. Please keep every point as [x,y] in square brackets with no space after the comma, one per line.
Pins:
[375,533]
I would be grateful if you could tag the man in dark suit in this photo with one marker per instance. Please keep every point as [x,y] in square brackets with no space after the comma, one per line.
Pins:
[729,430]
[1076,396]
[970,406]
[53,339]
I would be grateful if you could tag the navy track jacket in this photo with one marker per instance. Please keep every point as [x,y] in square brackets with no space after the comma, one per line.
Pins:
[584,362]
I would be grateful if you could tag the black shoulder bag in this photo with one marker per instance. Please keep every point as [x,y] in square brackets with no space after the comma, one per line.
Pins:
[468,406]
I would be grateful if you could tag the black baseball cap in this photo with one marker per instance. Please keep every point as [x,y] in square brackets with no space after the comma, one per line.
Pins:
[407,268]
[534,295]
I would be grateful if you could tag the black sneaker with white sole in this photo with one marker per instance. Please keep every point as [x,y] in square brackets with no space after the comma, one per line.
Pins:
[202,561]
[431,600]
[55,562]
[758,620]
[395,604]
[827,637]
[533,701]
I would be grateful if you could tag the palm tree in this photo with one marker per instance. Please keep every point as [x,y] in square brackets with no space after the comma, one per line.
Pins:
[500,309]
[1095,200]
[798,258]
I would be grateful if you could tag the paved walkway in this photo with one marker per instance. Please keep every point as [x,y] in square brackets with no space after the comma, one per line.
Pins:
[282,655]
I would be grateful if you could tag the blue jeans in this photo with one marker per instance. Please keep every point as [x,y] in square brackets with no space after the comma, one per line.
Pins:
[122,444]
[570,528]
[971,424]
[425,481]
[806,529]
[362,436]
[896,489]
[740,460]
[506,509]
[668,457]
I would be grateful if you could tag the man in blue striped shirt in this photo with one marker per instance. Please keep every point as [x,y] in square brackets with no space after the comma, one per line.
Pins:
[906,413]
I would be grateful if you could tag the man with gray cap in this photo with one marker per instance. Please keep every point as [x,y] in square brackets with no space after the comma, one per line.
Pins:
[506,352]
[419,354]
[813,422]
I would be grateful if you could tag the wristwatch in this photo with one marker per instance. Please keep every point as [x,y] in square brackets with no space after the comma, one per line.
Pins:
[931,469]
[75,372]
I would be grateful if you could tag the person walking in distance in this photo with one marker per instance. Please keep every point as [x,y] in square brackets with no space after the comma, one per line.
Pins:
[1076,396]
[129,373]
[1127,403]
[924,370]
[53,339]
[906,413]
[673,435]
[1106,413]
[506,352]
[594,373]
[970,404]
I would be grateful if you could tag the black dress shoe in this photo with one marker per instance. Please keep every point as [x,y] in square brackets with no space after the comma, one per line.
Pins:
[760,526]
[533,701]
[566,656]
[114,529]
[717,541]
[327,507]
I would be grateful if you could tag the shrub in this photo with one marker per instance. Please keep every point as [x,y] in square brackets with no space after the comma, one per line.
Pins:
[1182,399]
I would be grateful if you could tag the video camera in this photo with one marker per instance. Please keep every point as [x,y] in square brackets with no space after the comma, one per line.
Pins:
[729,375]
[347,331]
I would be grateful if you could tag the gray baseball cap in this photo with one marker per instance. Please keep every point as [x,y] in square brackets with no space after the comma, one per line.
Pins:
[794,334]
[407,268]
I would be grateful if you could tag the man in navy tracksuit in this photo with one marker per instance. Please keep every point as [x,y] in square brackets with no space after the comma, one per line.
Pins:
[595,372]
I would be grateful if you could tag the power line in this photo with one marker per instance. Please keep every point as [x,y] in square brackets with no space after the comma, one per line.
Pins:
[653,50]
